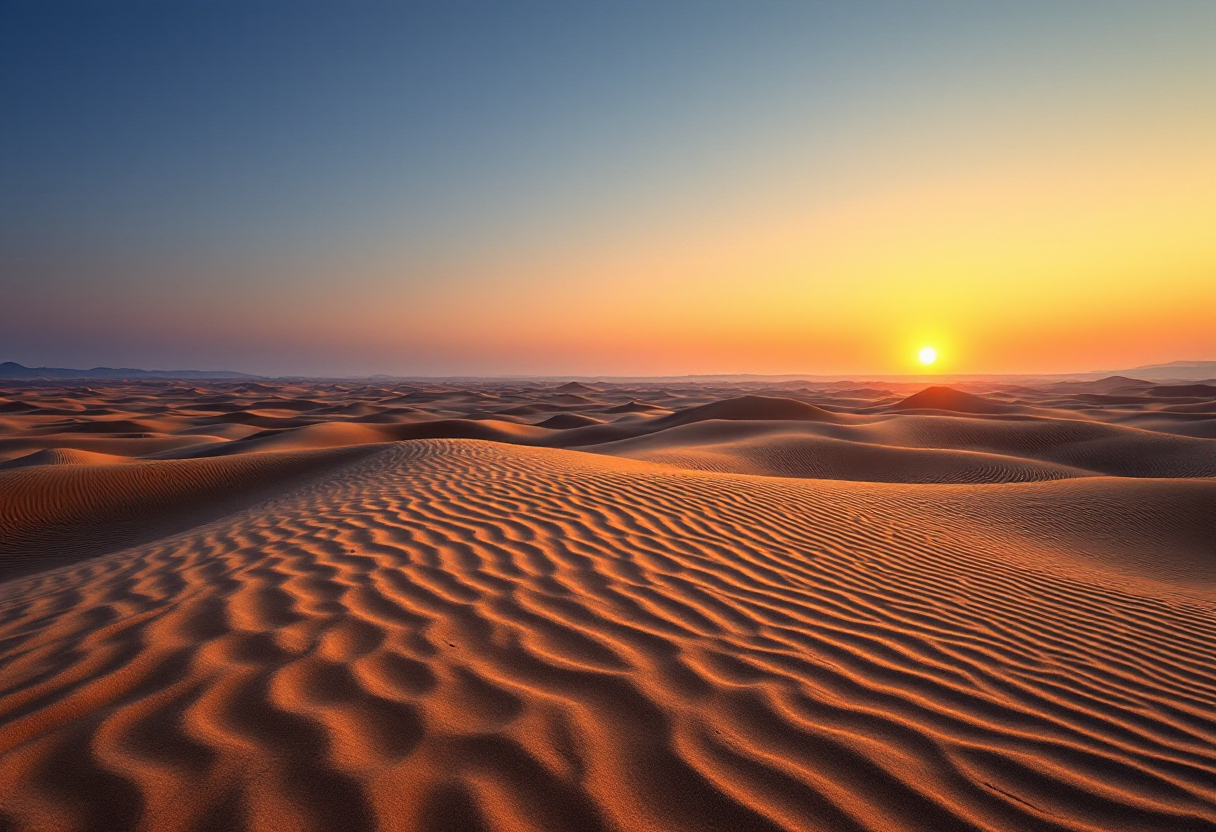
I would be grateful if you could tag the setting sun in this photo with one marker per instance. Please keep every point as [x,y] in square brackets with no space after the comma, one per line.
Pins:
[927,355]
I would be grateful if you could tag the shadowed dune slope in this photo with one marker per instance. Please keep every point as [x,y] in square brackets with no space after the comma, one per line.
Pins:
[51,514]
[565,421]
[750,408]
[461,635]
[109,445]
[633,407]
[1202,391]
[924,449]
[345,434]
[785,450]
[1110,450]
[62,456]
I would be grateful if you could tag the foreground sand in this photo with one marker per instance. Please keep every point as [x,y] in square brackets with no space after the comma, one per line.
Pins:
[452,634]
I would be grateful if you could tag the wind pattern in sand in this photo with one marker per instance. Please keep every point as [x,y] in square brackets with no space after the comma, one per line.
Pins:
[453,634]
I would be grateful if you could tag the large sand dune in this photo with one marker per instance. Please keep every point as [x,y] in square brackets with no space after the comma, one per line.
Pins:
[742,610]
[80,508]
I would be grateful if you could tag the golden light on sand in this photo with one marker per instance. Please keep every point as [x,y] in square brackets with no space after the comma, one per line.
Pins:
[927,355]
[1057,527]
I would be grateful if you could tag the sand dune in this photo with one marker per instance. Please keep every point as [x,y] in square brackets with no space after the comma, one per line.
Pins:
[100,426]
[1187,391]
[51,514]
[130,447]
[945,398]
[792,451]
[63,456]
[467,635]
[565,421]
[936,434]
[575,387]
[518,606]
[633,407]
[919,448]
[751,408]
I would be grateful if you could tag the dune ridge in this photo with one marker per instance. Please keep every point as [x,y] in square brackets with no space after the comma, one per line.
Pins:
[50,514]
[458,634]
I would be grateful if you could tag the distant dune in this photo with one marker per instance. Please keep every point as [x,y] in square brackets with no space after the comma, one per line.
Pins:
[1206,392]
[751,408]
[945,398]
[522,606]
[786,451]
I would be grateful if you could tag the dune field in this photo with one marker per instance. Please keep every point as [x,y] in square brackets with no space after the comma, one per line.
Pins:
[517,605]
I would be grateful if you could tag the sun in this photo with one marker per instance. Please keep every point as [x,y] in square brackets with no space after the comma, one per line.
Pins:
[927,355]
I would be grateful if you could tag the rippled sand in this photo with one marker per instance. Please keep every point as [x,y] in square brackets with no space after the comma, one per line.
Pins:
[456,634]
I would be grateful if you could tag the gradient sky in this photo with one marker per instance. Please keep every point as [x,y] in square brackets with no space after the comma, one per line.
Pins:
[607,188]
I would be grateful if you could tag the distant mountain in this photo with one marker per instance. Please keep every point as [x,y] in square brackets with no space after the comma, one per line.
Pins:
[10,369]
[1176,370]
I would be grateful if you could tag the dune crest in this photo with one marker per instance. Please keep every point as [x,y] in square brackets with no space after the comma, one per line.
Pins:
[947,398]
[52,514]
[752,408]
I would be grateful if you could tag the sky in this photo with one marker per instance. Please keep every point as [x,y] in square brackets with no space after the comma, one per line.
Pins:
[607,188]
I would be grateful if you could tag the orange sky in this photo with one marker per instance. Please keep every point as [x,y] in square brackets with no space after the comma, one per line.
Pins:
[1040,265]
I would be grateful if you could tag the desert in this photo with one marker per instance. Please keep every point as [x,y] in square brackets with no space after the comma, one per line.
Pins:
[537,606]
[615,416]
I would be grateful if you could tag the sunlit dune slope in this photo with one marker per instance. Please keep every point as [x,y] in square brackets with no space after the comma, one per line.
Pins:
[455,634]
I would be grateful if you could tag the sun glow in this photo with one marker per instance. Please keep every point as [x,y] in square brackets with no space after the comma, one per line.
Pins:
[927,355]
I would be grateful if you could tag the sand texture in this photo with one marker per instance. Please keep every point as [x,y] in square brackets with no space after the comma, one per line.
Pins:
[270,606]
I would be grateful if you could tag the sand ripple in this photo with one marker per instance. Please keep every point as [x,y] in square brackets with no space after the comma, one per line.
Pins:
[454,634]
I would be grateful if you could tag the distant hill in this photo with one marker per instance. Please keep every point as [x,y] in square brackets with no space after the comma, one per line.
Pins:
[1177,371]
[947,398]
[10,369]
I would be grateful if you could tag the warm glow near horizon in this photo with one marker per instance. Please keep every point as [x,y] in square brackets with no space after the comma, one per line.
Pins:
[625,192]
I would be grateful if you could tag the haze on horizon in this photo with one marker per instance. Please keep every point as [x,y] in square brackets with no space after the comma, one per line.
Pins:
[607,189]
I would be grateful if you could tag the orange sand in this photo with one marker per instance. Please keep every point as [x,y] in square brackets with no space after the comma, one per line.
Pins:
[691,608]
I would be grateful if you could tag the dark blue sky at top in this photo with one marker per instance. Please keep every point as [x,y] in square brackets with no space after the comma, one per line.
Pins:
[157,123]
[144,124]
